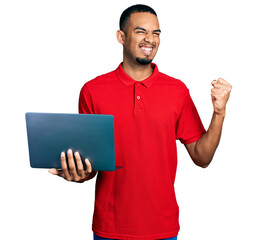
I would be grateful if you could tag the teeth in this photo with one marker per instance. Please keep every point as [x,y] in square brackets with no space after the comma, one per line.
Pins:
[147,49]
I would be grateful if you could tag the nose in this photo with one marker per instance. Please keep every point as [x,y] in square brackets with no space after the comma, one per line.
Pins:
[149,37]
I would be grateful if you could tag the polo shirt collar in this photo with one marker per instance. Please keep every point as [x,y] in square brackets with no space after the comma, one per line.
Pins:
[128,81]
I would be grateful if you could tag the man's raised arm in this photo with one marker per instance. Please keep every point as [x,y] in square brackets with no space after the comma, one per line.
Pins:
[203,150]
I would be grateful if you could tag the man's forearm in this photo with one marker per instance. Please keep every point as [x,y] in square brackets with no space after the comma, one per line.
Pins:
[203,150]
[205,147]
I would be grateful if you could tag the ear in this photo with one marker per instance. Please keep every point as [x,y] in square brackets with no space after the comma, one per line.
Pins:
[120,36]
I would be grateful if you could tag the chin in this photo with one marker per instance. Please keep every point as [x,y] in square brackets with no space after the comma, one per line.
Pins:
[144,61]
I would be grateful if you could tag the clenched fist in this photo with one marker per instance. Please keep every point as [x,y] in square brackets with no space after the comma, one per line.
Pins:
[220,95]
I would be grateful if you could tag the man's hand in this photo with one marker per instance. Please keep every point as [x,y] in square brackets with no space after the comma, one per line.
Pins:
[220,95]
[203,150]
[73,173]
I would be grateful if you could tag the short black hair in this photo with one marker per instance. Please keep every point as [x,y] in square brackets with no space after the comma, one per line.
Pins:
[133,9]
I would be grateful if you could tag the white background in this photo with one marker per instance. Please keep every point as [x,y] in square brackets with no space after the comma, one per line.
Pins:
[50,48]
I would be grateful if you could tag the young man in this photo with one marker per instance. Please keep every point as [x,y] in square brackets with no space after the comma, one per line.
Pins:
[151,110]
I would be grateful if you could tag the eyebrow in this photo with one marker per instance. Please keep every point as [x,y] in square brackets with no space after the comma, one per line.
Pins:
[140,28]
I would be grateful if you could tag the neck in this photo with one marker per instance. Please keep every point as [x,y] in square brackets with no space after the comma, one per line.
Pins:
[136,71]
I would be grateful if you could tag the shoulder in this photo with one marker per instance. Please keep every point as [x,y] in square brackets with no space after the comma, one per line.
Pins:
[101,80]
[172,82]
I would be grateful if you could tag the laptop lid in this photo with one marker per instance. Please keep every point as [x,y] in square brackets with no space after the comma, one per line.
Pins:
[92,135]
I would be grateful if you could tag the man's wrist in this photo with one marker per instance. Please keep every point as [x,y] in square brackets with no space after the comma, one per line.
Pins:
[220,114]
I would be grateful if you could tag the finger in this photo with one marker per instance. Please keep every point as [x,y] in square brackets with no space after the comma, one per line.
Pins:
[222,81]
[89,166]
[215,97]
[80,167]
[213,82]
[66,173]
[72,166]
[218,95]
[53,171]
[222,86]
[57,172]
[219,91]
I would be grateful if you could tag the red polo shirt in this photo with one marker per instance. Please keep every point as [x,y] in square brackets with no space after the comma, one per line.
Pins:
[138,201]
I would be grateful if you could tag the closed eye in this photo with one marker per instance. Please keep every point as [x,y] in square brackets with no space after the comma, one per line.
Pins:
[140,32]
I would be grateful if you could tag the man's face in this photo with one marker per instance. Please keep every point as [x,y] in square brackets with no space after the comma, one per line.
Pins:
[142,38]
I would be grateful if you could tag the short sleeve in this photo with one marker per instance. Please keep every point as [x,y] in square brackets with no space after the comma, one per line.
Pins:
[189,125]
[85,101]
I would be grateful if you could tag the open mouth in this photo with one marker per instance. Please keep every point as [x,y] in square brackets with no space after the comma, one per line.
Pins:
[146,50]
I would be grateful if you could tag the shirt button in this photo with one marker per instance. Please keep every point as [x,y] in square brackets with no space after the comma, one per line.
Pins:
[138,97]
